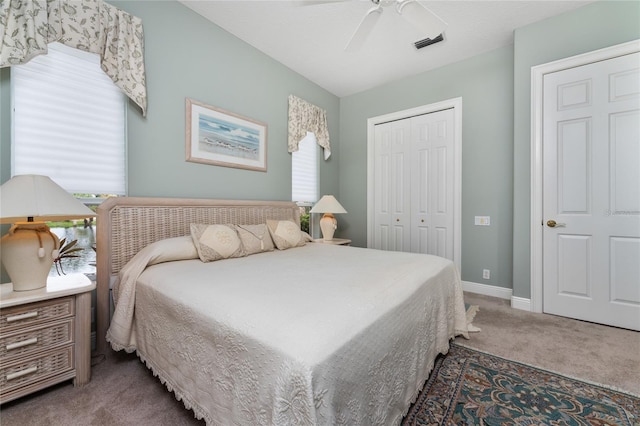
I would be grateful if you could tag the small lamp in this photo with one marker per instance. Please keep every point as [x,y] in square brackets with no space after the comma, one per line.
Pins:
[328,224]
[29,248]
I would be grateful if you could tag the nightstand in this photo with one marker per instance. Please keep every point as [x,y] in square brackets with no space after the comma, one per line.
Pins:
[45,335]
[335,241]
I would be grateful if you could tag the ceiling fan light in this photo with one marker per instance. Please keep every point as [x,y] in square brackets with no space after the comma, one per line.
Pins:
[423,19]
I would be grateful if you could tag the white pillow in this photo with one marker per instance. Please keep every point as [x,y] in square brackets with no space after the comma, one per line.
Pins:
[286,234]
[255,238]
[215,242]
[170,249]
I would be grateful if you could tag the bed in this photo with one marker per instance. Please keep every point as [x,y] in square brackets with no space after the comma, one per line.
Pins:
[308,334]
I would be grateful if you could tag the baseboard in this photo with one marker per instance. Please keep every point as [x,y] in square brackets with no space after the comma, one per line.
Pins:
[500,292]
[521,303]
[487,290]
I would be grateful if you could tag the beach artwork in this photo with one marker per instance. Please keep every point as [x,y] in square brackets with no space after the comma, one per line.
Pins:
[222,138]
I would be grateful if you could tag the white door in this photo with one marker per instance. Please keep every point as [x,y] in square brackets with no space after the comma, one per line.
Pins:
[414,179]
[591,190]
[432,183]
[392,190]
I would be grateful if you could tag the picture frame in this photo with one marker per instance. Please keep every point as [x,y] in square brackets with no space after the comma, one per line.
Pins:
[222,138]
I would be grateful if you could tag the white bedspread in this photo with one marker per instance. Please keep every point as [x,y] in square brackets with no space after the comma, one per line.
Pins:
[319,334]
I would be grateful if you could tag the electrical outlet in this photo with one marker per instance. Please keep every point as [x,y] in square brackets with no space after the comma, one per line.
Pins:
[482,220]
[486,274]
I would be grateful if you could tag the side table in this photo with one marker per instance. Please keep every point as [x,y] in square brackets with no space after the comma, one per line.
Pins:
[45,335]
[335,241]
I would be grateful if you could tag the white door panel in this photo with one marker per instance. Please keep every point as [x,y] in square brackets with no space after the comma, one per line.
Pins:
[433,185]
[382,205]
[392,179]
[401,178]
[591,189]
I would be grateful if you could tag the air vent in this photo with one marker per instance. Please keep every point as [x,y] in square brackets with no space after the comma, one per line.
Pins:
[428,42]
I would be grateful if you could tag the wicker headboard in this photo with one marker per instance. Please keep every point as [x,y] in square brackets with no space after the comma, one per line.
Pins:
[128,224]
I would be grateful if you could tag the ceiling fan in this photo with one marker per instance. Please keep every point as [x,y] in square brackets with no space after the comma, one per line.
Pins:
[414,12]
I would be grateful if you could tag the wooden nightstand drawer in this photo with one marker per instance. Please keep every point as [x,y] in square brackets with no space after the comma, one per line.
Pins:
[24,372]
[36,313]
[26,341]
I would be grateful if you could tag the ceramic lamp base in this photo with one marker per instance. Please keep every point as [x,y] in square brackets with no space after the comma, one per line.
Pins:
[28,251]
[328,226]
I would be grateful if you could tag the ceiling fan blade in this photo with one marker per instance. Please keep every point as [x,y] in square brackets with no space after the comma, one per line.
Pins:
[424,20]
[364,29]
[315,2]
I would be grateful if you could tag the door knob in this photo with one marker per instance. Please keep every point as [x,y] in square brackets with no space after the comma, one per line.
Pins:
[553,224]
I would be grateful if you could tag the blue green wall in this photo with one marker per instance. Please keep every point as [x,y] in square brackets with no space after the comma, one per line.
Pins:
[5,144]
[5,126]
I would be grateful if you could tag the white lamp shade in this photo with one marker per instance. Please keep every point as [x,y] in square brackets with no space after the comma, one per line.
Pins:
[40,198]
[328,204]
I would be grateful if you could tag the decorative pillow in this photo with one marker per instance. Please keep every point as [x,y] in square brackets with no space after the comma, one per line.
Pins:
[286,234]
[215,242]
[255,238]
[170,249]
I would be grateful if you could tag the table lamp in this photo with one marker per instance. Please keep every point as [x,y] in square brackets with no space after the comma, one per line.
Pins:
[328,224]
[29,248]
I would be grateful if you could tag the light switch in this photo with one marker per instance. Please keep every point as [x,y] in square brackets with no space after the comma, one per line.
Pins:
[483,220]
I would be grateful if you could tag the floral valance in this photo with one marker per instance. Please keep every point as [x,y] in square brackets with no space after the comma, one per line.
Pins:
[28,26]
[305,117]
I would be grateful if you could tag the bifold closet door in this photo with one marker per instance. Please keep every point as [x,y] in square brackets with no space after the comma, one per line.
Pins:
[414,184]
[432,183]
[392,186]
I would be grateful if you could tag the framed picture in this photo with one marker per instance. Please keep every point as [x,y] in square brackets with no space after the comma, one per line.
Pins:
[222,138]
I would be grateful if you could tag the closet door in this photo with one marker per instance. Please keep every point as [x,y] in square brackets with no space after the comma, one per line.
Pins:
[414,180]
[392,186]
[432,183]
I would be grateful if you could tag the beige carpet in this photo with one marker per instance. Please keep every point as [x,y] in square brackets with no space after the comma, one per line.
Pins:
[124,392]
[591,352]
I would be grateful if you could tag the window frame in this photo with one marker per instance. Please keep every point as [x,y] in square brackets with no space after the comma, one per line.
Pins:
[97,198]
[309,138]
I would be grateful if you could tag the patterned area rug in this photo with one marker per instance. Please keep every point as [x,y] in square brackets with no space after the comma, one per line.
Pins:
[468,387]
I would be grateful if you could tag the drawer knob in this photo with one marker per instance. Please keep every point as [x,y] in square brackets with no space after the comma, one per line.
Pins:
[21,373]
[22,316]
[22,343]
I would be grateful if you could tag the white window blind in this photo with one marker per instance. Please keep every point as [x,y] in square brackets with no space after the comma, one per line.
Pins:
[69,122]
[304,171]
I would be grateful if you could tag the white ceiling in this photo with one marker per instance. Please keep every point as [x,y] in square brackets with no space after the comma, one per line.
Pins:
[309,37]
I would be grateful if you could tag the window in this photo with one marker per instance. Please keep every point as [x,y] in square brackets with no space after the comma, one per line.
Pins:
[304,171]
[69,122]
